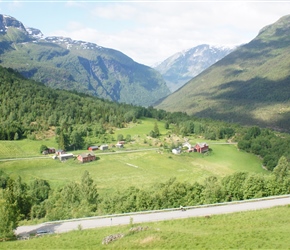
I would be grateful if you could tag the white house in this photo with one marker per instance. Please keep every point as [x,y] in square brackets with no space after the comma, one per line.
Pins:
[63,157]
[104,147]
[176,151]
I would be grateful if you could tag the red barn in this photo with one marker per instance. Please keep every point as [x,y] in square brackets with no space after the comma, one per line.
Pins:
[86,157]
[201,147]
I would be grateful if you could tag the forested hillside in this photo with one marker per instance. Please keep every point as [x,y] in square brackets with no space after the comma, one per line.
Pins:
[29,108]
[249,86]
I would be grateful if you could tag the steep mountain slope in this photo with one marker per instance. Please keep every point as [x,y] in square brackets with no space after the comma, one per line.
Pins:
[250,86]
[64,63]
[183,66]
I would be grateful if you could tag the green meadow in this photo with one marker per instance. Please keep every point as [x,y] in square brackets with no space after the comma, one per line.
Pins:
[121,170]
[118,169]
[260,229]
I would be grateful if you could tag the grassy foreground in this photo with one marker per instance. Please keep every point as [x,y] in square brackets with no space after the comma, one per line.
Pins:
[263,229]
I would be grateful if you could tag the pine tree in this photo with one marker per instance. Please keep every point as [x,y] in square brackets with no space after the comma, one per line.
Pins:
[156,130]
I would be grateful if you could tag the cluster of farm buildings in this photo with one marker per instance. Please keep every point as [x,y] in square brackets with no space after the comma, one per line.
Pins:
[199,147]
[84,157]
[90,156]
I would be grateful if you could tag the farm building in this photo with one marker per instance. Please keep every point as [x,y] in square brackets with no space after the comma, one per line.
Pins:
[59,152]
[201,147]
[86,157]
[187,144]
[93,148]
[63,157]
[49,151]
[176,151]
[119,145]
[104,147]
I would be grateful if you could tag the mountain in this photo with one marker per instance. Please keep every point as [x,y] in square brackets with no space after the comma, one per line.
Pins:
[250,86]
[183,66]
[63,63]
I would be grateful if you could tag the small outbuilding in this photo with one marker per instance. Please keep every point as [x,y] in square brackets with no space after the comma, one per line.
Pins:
[48,151]
[119,145]
[93,148]
[176,151]
[86,157]
[63,157]
[60,152]
[104,147]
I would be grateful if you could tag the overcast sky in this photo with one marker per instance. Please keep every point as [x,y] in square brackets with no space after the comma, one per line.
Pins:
[149,31]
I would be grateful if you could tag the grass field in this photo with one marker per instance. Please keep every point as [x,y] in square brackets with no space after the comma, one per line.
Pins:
[23,148]
[119,171]
[142,169]
[262,229]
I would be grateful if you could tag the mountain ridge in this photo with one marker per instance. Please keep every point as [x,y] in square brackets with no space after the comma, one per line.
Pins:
[248,86]
[64,63]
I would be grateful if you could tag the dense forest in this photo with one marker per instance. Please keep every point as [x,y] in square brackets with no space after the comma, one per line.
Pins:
[28,107]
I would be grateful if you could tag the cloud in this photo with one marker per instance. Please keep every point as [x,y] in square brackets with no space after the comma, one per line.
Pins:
[115,11]
[151,32]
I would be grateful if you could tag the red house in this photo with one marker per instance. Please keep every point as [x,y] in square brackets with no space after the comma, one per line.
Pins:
[201,147]
[86,157]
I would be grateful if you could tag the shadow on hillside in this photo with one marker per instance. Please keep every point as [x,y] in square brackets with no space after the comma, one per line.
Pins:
[257,90]
[235,101]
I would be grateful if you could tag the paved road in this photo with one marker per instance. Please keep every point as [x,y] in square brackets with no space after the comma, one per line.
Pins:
[114,220]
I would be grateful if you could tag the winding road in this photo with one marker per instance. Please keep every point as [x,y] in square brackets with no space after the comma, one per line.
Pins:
[151,216]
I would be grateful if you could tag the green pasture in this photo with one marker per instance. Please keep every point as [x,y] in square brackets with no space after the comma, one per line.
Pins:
[116,171]
[23,148]
[142,128]
[139,132]
[260,229]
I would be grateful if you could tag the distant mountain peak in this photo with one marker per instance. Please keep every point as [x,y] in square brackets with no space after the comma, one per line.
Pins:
[35,33]
[186,64]
[8,21]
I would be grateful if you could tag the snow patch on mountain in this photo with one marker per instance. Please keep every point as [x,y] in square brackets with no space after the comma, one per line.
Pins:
[184,65]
